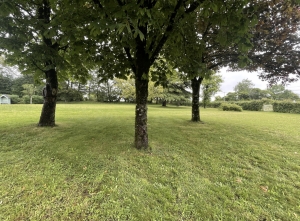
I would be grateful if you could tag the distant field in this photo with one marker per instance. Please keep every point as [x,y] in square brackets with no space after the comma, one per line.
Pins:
[234,166]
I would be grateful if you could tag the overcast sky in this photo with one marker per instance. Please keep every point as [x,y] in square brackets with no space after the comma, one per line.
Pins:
[233,78]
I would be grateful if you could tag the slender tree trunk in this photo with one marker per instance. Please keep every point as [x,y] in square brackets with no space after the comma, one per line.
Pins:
[141,131]
[196,82]
[50,94]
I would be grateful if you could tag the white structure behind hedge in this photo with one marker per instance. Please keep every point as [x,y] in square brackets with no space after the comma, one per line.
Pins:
[268,107]
[5,99]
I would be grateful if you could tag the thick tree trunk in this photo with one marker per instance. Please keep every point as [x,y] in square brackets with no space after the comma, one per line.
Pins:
[164,103]
[196,82]
[50,94]
[141,131]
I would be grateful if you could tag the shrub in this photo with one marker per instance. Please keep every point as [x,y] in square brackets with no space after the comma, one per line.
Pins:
[286,107]
[255,105]
[214,104]
[69,95]
[15,99]
[36,99]
[230,107]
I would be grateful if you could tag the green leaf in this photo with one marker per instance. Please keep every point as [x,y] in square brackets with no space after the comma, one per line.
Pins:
[214,7]
[142,37]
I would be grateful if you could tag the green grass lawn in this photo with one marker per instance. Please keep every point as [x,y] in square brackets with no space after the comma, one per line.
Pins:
[235,166]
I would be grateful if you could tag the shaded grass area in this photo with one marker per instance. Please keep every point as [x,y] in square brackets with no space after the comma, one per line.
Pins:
[234,166]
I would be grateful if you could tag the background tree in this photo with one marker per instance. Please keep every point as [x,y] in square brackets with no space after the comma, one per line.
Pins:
[219,98]
[177,93]
[29,89]
[231,96]
[17,83]
[210,86]
[208,42]
[6,77]
[257,94]
[68,92]
[176,89]
[127,89]
[5,84]
[245,85]
[278,92]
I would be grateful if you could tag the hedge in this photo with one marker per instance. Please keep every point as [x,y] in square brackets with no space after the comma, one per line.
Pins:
[36,99]
[214,104]
[15,99]
[68,95]
[286,107]
[254,105]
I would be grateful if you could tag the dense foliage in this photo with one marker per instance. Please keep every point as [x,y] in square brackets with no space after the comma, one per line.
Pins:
[245,90]
[286,107]
[230,107]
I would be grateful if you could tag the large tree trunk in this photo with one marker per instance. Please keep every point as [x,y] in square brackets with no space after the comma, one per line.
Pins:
[141,131]
[50,94]
[196,82]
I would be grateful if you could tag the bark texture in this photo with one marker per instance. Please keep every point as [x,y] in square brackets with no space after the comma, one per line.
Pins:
[196,82]
[50,95]
[141,131]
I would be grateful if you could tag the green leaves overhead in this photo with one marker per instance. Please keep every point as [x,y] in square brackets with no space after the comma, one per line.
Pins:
[199,35]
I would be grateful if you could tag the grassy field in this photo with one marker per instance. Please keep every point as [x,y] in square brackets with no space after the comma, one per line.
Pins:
[235,166]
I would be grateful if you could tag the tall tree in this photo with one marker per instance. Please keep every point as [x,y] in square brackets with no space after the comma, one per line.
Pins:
[139,31]
[235,37]
[208,40]
[31,36]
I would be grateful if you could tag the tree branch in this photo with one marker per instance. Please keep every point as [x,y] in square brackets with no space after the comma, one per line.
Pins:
[24,9]
[127,51]
[165,36]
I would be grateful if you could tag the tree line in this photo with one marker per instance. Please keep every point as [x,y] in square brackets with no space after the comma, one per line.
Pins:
[245,90]
[59,40]
[23,88]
